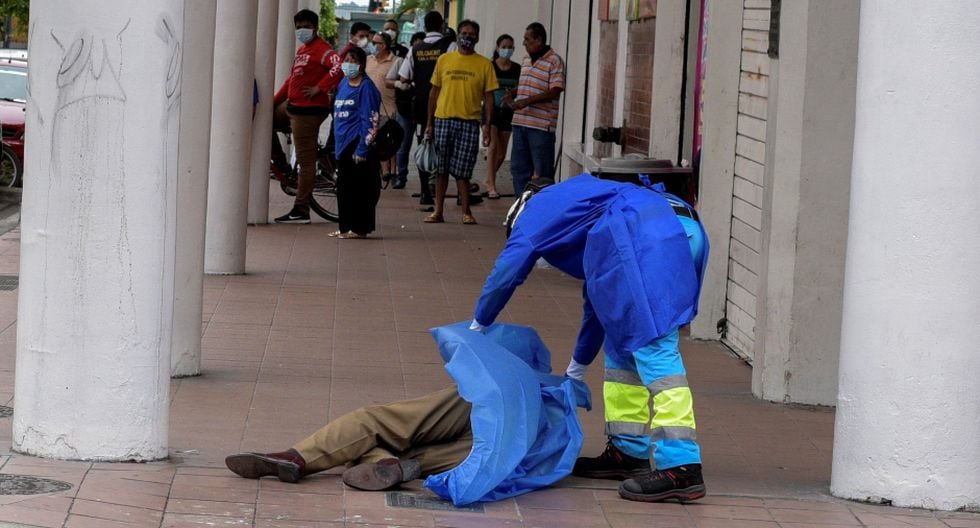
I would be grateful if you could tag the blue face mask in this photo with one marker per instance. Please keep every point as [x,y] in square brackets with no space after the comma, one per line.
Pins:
[304,35]
[466,43]
[506,53]
[350,69]
[371,49]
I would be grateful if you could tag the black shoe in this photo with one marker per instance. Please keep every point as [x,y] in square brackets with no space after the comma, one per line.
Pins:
[399,184]
[287,465]
[612,464]
[427,200]
[382,475]
[682,483]
[294,217]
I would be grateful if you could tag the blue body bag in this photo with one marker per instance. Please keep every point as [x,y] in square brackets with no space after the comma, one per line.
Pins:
[526,434]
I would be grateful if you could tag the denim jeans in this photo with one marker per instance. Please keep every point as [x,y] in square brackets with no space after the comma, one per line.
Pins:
[533,152]
[402,157]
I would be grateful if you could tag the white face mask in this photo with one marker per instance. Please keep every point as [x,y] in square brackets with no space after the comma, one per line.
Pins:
[363,43]
[392,33]
[304,35]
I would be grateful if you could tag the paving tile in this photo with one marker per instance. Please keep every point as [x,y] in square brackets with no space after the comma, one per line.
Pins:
[115,512]
[640,520]
[559,499]
[211,508]
[179,520]
[823,516]
[535,518]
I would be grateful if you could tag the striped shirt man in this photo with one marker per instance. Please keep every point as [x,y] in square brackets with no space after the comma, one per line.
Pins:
[537,77]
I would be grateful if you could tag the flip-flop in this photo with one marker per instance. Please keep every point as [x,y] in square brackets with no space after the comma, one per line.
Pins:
[335,234]
[351,234]
[469,220]
[493,195]
[434,218]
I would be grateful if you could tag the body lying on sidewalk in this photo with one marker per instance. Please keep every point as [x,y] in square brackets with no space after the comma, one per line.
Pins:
[508,426]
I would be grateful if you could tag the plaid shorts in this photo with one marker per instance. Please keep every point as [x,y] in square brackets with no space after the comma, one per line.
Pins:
[457,144]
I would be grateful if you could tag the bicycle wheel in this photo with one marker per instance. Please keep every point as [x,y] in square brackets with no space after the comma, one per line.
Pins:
[324,199]
[11,168]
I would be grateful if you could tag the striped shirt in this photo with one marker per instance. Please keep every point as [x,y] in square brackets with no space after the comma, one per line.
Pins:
[538,77]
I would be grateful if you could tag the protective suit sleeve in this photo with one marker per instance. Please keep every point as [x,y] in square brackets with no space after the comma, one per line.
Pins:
[590,335]
[509,271]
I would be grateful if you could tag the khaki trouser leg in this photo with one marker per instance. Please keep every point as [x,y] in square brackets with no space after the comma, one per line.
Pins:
[306,130]
[430,421]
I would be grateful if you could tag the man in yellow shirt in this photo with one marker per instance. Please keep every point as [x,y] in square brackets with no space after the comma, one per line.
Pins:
[462,81]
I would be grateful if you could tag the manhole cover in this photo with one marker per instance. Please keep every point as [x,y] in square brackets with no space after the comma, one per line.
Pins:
[401,499]
[24,485]
[9,282]
[6,412]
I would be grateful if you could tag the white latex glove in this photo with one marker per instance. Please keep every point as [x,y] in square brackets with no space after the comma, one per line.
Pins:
[402,86]
[477,327]
[576,370]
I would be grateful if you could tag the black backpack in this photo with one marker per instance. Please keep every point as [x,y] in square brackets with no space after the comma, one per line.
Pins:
[387,140]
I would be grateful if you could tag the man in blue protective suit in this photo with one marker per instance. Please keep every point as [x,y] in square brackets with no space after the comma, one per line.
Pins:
[642,255]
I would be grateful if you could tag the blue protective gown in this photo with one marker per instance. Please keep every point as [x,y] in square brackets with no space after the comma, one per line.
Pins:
[625,242]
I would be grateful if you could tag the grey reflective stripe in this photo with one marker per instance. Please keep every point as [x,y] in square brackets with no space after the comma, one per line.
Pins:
[629,428]
[626,377]
[668,382]
[672,432]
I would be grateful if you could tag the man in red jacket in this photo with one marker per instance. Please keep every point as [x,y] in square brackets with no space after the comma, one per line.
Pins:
[304,102]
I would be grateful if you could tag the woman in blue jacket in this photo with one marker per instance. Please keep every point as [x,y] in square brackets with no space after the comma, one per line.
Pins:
[355,122]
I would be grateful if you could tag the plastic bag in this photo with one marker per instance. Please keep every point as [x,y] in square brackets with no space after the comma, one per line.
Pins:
[425,156]
[526,433]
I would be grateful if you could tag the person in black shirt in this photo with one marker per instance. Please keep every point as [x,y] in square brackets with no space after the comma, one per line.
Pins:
[391,28]
[508,73]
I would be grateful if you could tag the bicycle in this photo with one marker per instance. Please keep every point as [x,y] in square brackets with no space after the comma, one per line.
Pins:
[11,168]
[323,202]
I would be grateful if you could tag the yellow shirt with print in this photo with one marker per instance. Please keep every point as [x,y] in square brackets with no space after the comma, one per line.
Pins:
[462,79]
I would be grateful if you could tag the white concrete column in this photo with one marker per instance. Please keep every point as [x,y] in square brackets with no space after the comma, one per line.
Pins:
[265,71]
[723,57]
[95,305]
[908,416]
[192,186]
[805,202]
[285,40]
[668,75]
[231,136]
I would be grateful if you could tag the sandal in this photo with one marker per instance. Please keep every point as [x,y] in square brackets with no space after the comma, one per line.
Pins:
[351,234]
[493,195]
[468,219]
[335,234]
[434,218]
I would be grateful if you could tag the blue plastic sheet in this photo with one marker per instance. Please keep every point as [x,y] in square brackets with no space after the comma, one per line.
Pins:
[526,434]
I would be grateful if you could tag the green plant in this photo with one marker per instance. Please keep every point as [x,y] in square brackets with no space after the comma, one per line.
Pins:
[328,20]
[411,5]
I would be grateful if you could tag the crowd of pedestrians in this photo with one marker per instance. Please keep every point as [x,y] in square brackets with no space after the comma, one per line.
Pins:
[439,89]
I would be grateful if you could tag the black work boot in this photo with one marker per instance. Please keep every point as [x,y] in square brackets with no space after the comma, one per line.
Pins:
[382,475]
[612,464]
[287,465]
[682,483]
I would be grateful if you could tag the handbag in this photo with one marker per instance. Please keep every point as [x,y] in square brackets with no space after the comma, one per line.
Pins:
[387,140]
[425,155]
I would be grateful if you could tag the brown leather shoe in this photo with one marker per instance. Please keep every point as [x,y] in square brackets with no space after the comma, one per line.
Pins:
[382,475]
[287,465]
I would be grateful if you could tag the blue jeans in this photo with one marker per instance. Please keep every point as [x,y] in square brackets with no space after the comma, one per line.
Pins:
[533,152]
[406,147]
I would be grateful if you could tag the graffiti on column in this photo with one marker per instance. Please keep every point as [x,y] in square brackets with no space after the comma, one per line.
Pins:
[88,172]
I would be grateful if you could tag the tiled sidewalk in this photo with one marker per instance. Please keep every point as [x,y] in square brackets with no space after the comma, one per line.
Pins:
[320,326]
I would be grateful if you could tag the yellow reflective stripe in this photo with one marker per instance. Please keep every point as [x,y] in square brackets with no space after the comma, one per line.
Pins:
[626,403]
[673,408]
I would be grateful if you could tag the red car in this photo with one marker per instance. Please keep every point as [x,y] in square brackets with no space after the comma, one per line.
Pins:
[13,100]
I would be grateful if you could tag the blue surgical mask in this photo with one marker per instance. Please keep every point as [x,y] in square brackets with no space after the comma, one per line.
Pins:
[371,49]
[466,43]
[506,53]
[350,69]
[304,35]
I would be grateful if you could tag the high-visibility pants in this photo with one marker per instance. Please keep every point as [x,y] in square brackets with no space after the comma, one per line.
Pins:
[655,371]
